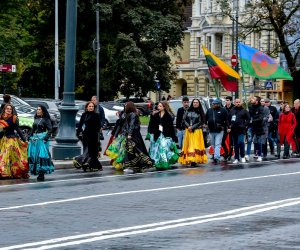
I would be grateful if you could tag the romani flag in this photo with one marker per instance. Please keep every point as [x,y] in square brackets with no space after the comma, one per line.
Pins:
[260,65]
[220,70]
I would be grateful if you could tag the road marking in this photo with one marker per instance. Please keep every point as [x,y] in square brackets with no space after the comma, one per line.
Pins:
[158,226]
[145,190]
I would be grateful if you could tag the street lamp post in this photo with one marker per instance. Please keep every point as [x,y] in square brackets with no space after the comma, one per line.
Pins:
[236,44]
[56,70]
[66,146]
[97,53]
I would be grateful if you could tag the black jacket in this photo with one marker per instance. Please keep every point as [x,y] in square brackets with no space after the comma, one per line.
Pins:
[238,120]
[216,119]
[167,123]
[257,119]
[40,125]
[179,118]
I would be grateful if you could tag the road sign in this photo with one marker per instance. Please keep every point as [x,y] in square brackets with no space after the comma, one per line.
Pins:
[157,84]
[269,85]
[233,60]
[8,68]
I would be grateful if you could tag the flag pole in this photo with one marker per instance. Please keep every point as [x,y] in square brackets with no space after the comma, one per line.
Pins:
[244,89]
[215,87]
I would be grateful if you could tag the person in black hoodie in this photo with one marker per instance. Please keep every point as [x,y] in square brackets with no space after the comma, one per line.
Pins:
[90,121]
[238,121]
[216,119]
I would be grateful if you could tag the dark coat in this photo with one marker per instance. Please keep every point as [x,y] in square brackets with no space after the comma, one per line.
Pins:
[216,119]
[167,123]
[257,116]
[240,122]
[179,118]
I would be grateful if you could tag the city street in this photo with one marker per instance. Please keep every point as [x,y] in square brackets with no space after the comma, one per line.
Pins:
[249,206]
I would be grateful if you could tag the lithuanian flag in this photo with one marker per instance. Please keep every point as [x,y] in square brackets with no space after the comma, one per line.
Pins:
[220,70]
[260,65]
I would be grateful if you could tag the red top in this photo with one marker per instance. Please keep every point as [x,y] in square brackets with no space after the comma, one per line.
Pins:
[286,126]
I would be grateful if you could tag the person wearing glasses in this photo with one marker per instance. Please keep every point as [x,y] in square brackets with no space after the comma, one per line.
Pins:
[39,158]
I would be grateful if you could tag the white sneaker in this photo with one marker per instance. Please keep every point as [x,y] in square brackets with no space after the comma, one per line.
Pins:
[243,160]
[128,171]
[235,161]
[259,159]
[247,157]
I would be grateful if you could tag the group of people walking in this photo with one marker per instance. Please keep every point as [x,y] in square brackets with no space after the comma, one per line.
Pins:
[21,155]
[230,127]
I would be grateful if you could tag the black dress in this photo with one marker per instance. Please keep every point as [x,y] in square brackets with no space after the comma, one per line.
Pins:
[90,140]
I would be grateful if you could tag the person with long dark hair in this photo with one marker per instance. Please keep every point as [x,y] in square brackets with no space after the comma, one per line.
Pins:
[88,131]
[163,149]
[193,150]
[39,157]
[13,157]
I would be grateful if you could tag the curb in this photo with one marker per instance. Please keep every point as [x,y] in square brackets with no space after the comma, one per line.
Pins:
[68,164]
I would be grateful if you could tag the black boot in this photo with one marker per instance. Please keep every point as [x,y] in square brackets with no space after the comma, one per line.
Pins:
[41,177]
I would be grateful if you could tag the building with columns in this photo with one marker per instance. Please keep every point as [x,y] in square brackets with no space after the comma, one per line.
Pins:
[209,27]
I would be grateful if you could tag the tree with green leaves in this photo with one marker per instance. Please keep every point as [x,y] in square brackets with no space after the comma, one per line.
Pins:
[279,16]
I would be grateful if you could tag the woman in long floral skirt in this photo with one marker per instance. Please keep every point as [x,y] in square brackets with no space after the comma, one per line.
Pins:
[39,157]
[13,157]
[193,150]
[129,148]
[163,149]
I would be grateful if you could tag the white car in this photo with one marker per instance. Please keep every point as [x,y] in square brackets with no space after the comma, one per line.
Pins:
[111,117]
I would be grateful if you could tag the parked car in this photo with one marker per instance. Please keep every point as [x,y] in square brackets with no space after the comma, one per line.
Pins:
[144,105]
[175,104]
[29,111]
[110,113]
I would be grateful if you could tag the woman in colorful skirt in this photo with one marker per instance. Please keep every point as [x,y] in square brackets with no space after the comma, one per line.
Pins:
[163,150]
[13,157]
[193,150]
[39,158]
[128,149]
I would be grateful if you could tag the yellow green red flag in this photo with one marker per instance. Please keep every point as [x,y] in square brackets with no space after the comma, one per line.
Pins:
[220,70]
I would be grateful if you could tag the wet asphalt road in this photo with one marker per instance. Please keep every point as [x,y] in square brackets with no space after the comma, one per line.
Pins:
[249,206]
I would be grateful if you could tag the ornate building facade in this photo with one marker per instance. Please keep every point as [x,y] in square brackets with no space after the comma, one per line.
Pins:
[210,28]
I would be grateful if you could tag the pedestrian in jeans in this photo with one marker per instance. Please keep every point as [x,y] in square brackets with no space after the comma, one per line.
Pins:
[216,119]
[238,120]
[272,127]
[179,120]
[257,121]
